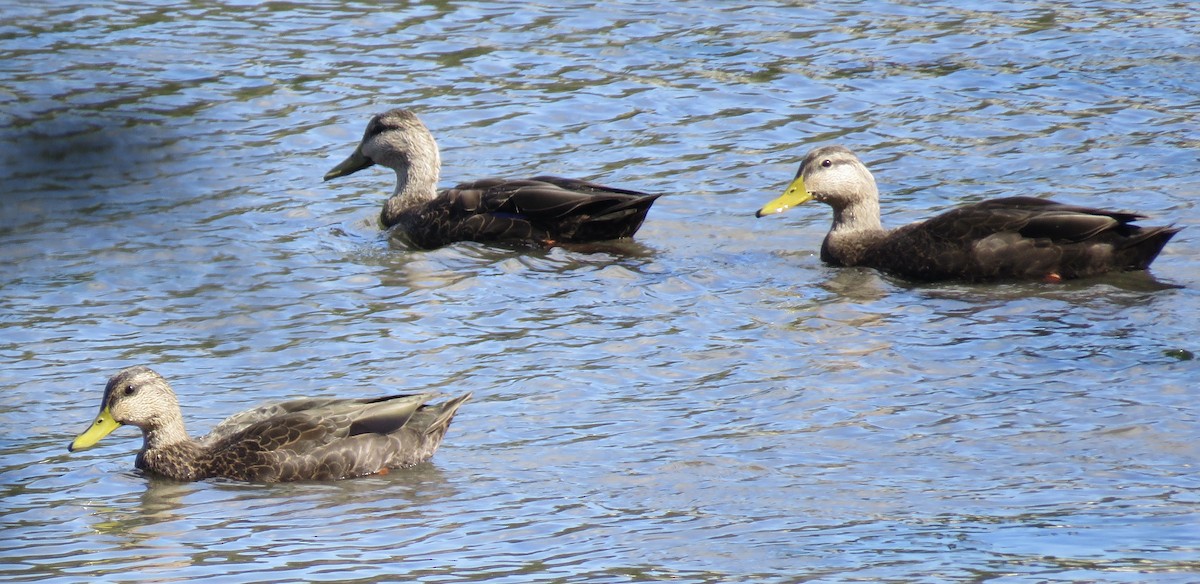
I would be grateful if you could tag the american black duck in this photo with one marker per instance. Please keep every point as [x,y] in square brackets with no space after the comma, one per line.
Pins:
[1010,238]
[306,439]
[543,210]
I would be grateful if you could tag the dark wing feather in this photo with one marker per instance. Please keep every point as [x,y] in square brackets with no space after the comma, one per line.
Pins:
[542,210]
[1019,237]
[1041,218]
[386,415]
[583,186]
[1066,226]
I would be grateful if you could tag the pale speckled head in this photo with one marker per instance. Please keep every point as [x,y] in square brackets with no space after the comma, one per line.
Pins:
[136,396]
[396,139]
[830,174]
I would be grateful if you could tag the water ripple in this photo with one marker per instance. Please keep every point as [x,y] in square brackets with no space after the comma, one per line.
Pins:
[706,403]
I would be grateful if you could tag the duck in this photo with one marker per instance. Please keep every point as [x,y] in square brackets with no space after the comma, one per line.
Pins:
[317,439]
[541,211]
[1012,238]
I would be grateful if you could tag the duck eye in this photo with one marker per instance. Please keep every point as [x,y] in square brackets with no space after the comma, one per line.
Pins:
[827,163]
[130,390]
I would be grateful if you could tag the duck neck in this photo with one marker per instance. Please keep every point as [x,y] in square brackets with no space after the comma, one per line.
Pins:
[416,183]
[169,451]
[856,227]
[168,433]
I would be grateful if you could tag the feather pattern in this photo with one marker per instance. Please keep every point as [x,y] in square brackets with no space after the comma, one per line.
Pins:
[304,439]
[543,210]
[1000,239]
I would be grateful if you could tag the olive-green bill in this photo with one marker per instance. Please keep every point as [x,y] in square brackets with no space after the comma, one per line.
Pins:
[354,163]
[103,426]
[795,194]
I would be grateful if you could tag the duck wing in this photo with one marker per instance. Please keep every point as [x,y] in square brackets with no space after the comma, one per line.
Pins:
[543,210]
[242,420]
[1020,238]
[329,439]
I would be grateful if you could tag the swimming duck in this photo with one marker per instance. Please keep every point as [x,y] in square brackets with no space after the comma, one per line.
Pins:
[543,210]
[1009,238]
[306,439]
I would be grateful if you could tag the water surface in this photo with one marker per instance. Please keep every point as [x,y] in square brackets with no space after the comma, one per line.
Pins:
[705,403]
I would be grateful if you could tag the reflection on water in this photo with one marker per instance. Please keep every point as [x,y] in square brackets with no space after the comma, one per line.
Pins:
[705,403]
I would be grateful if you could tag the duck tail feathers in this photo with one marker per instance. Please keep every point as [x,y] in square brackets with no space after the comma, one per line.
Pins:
[442,421]
[1144,245]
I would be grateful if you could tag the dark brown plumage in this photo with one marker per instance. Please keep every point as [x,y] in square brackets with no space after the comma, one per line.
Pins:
[1001,239]
[307,439]
[543,210]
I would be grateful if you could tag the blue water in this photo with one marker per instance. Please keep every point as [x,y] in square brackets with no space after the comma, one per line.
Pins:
[704,403]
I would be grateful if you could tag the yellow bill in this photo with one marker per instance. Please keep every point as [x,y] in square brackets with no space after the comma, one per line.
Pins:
[794,195]
[103,426]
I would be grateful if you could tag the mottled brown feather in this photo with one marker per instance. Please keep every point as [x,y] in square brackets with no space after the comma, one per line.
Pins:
[306,439]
